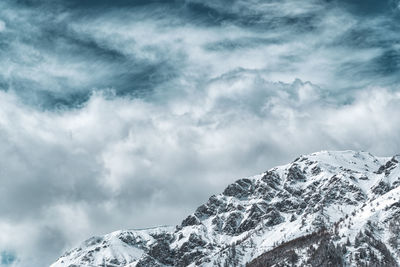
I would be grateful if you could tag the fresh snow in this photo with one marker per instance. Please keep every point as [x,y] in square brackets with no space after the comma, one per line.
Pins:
[353,190]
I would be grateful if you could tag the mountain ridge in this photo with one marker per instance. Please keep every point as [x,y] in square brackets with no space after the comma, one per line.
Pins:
[334,197]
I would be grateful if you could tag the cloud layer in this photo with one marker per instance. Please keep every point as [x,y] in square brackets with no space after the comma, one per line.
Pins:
[130,115]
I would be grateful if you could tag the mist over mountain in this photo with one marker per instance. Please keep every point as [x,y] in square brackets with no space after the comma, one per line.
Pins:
[129,113]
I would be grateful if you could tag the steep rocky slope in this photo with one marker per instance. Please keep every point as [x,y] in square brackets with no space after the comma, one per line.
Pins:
[324,209]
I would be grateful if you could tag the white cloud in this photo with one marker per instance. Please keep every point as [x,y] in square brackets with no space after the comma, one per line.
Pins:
[116,163]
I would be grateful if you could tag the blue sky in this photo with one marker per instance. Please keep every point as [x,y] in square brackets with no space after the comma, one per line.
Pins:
[127,114]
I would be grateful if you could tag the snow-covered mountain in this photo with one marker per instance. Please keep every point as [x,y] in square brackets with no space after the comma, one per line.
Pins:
[328,208]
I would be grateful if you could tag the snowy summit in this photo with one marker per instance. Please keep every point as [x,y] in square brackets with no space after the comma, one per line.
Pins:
[331,208]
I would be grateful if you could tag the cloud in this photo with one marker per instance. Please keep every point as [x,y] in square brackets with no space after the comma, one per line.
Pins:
[66,51]
[121,163]
[130,115]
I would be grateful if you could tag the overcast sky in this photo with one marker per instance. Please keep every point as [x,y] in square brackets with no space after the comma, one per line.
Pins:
[126,114]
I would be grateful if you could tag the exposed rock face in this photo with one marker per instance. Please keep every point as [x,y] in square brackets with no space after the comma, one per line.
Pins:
[324,209]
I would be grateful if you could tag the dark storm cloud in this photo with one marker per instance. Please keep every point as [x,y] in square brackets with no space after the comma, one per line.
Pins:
[122,114]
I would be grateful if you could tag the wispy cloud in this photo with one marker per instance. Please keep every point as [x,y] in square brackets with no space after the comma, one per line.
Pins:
[64,53]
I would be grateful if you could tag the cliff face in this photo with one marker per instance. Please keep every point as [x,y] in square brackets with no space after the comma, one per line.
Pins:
[323,209]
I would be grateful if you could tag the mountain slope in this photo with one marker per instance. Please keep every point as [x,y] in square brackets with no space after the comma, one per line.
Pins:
[327,208]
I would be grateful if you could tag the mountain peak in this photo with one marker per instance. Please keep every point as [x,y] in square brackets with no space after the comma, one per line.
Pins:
[324,199]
